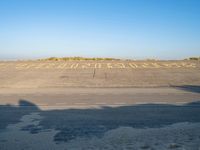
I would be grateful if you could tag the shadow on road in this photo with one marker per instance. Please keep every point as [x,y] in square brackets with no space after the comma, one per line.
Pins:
[72,123]
[11,114]
[189,88]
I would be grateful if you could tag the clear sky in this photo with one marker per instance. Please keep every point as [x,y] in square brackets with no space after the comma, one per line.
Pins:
[166,29]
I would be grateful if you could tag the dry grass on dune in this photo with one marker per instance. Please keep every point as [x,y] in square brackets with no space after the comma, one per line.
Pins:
[74,58]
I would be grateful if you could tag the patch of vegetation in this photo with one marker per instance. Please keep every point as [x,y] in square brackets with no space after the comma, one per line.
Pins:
[194,58]
[75,58]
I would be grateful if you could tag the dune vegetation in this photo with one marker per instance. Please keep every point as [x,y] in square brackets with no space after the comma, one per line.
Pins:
[74,58]
[101,58]
[194,58]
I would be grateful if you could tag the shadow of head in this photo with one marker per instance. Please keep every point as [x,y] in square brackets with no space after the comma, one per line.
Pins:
[25,103]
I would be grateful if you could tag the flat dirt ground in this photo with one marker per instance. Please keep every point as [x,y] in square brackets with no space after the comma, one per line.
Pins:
[34,74]
[100,105]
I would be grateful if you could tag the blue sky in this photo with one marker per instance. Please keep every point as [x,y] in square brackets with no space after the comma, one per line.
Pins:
[138,29]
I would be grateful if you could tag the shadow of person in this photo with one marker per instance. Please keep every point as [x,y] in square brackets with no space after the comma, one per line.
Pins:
[29,105]
[88,122]
[74,123]
[11,114]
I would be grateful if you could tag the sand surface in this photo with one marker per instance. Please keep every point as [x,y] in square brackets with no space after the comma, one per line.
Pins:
[34,74]
[176,136]
[105,105]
